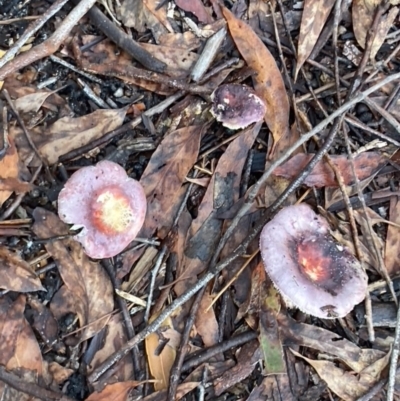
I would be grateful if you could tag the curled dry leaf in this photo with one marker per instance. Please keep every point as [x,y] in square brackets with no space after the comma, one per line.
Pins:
[87,291]
[268,81]
[366,164]
[66,134]
[160,363]
[315,14]
[16,274]
[363,12]
[9,174]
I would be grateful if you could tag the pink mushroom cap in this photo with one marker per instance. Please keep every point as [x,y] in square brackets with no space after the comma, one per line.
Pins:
[108,205]
[309,269]
[237,106]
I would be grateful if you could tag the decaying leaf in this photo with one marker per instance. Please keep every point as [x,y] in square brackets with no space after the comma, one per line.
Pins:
[16,274]
[197,8]
[114,338]
[317,338]
[9,174]
[87,291]
[366,164]
[160,356]
[221,194]
[160,13]
[66,134]
[270,341]
[363,12]
[206,322]
[346,385]
[116,392]
[268,81]
[163,178]
[315,14]
[392,245]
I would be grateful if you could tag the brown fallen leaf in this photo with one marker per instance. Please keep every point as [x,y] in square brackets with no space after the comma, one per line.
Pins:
[182,390]
[160,14]
[135,14]
[87,291]
[206,322]
[392,245]
[268,81]
[197,8]
[317,338]
[9,174]
[16,274]
[221,194]
[66,134]
[32,102]
[116,392]
[18,345]
[366,164]
[315,14]
[160,363]
[363,12]
[114,338]
[164,175]
[343,383]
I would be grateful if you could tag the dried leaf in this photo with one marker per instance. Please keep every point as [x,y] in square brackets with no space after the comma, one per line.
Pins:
[363,13]
[160,14]
[18,345]
[346,385]
[16,274]
[392,246]
[315,14]
[135,14]
[163,178]
[268,81]
[32,102]
[114,338]
[88,291]
[195,7]
[220,196]
[206,322]
[366,164]
[67,134]
[116,392]
[9,174]
[301,334]
[160,357]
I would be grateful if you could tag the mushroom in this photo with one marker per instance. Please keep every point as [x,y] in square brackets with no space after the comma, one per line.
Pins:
[237,106]
[310,270]
[109,206]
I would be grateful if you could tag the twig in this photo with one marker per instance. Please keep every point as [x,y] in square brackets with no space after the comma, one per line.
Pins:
[241,249]
[31,30]
[356,240]
[393,359]
[182,351]
[159,108]
[50,45]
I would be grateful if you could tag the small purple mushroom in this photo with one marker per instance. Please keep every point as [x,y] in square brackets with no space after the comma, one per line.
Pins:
[237,106]
[108,205]
[309,269]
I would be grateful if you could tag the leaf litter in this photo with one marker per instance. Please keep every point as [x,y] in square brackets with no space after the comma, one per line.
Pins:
[60,324]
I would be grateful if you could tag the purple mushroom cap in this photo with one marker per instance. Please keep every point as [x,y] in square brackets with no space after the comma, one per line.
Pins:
[309,269]
[237,106]
[108,205]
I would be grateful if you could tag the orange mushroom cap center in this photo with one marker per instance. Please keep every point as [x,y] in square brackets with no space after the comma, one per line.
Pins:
[111,210]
